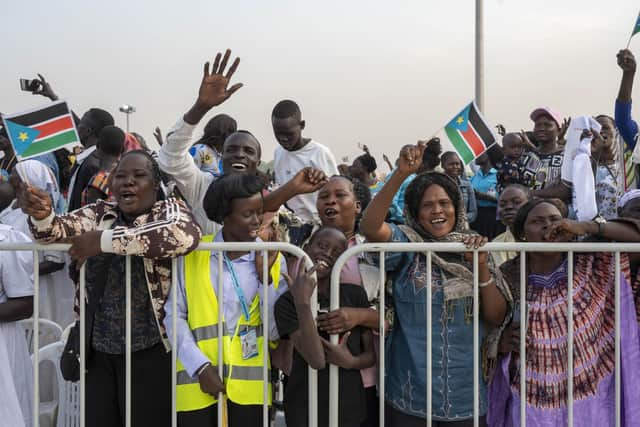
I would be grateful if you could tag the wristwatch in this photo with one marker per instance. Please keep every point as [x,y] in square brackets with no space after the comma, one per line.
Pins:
[601,222]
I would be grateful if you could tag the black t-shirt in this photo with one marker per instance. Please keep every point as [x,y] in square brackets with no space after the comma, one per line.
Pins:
[352,405]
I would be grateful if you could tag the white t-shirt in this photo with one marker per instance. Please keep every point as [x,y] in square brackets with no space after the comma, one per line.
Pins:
[287,163]
[16,281]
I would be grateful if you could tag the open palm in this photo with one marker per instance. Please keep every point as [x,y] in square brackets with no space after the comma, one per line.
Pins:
[214,88]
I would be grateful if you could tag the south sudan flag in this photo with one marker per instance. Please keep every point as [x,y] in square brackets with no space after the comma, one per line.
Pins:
[636,28]
[41,130]
[469,134]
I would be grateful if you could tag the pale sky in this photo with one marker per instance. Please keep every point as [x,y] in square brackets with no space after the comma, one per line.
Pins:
[381,73]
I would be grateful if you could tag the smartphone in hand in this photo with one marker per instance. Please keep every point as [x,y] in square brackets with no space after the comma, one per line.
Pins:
[29,85]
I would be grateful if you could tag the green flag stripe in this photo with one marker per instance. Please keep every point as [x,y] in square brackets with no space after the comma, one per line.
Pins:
[48,144]
[460,145]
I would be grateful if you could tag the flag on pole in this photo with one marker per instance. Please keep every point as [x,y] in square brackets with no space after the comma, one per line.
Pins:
[469,134]
[636,28]
[41,130]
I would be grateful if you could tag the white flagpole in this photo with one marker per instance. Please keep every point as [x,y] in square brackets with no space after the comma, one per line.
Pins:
[479,42]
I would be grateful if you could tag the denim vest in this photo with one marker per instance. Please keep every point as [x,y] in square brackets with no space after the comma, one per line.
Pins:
[452,341]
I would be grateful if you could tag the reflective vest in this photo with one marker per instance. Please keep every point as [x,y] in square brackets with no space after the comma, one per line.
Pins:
[242,378]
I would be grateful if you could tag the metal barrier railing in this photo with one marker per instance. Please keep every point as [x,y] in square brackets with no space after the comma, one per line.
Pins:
[522,248]
[380,249]
[213,247]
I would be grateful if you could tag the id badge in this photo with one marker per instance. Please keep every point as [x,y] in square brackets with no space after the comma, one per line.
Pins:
[249,342]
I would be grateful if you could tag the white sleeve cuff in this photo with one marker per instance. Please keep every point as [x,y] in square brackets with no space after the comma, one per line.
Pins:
[106,241]
[43,224]
[193,363]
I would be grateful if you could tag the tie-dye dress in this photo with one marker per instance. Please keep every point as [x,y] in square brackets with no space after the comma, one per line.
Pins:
[594,349]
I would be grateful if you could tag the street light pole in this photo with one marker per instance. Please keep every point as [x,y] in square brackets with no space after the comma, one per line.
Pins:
[479,43]
[127,110]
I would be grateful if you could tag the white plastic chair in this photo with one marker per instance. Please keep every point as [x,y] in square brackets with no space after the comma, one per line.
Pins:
[50,332]
[48,360]
[67,399]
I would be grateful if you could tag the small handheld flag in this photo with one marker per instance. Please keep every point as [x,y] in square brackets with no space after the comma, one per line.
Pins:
[636,30]
[469,134]
[41,130]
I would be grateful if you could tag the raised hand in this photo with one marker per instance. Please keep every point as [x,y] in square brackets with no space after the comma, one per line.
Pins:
[502,131]
[626,61]
[302,287]
[214,88]
[33,201]
[525,140]
[410,158]
[564,128]
[45,89]
[309,179]
[158,135]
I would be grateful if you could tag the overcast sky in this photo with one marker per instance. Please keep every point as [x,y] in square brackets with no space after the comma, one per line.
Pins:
[362,71]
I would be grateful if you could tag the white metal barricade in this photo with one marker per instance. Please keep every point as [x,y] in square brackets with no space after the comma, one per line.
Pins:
[381,248]
[264,248]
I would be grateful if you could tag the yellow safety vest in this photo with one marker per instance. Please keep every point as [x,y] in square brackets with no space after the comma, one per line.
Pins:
[242,378]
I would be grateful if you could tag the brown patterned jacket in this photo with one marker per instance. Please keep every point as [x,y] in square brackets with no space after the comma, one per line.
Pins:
[169,230]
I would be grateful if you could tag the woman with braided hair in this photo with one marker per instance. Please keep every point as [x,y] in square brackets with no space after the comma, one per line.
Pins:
[433,213]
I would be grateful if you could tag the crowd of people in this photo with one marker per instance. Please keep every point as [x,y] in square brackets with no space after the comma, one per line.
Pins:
[115,196]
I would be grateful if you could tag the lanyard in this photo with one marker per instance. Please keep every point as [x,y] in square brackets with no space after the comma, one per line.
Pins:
[238,289]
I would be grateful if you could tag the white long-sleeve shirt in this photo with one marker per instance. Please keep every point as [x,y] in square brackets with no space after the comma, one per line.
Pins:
[174,159]
[251,284]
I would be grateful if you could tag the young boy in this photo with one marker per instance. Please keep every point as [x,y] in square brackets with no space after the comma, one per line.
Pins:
[295,321]
[295,153]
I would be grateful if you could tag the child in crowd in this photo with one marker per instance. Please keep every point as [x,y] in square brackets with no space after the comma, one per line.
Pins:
[295,153]
[454,168]
[513,147]
[312,348]
[511,199]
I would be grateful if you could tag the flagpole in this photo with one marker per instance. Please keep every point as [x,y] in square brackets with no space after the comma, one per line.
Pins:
[479,45]
[629,42]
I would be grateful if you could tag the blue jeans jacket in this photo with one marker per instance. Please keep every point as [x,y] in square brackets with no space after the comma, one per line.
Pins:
[452,341]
